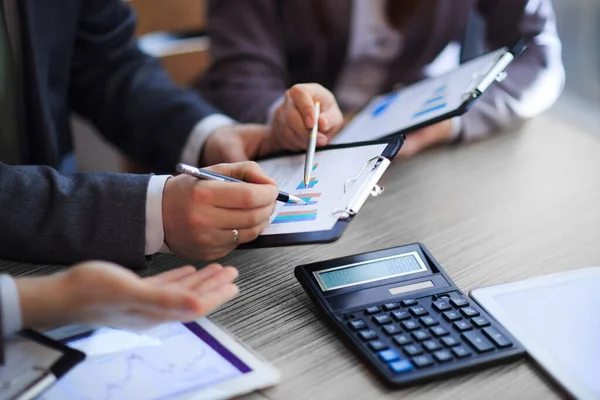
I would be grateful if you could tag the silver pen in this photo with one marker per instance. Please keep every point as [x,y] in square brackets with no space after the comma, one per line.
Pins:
[312,145]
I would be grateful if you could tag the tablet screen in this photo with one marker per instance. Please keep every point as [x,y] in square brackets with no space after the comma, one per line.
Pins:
[166,361]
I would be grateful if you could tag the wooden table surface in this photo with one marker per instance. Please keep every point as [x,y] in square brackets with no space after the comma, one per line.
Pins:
[519,205]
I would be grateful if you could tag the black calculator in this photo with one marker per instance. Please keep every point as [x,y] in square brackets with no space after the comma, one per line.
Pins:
[400,310]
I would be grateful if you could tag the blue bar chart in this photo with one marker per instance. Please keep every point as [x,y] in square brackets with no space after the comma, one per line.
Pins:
[436,102]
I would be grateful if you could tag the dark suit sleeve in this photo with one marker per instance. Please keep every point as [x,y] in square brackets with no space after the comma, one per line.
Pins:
[125,92]
[535,79]
[63,219]
[248,72]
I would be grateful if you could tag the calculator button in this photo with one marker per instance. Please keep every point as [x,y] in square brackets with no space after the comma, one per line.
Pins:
[461,351]
[422,361]
[462,326]
[410,325]
[413,350]
[392,329]
[469,312]
[499,339]
[400,315]
[357,324]
[428,321]
[377,345]
[452,316]
[431,345]
[389,355]
[478,341]
[368,334]
[450,341]
[382,319]
[438,331]
[372,310]
[441,306]
[402,340]
[390,306]
[421,335]
[417,311]
[442,355]
[401,366]
[408,302]
[480,322]
[459,302]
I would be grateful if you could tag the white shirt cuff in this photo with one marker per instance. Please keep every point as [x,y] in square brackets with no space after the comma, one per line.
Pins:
[155,233]
[200,133]
[272,109]
[12,321]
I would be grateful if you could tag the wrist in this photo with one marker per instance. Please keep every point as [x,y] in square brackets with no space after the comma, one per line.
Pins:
[45,301]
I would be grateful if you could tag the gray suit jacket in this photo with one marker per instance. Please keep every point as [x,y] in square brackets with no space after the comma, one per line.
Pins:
[262,47]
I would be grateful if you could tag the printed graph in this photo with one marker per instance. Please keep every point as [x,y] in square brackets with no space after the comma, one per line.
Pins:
[310,199]
[301,213]
[436,102]
[385,103]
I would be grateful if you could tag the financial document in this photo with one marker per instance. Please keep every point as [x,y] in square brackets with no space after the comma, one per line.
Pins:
[417,103]
[325,192]
[187,359]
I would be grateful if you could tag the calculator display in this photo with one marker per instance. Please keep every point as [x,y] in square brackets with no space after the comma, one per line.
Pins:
[370,271]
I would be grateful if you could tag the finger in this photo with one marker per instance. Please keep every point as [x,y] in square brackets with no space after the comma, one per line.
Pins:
[296,133]
[331,120]
[229,218]
[166,298]
[222,241]
[247,171]
[322,140]
[208,301]
[303,98]
[224,277]
[202,275]
[232,195]
[172,275]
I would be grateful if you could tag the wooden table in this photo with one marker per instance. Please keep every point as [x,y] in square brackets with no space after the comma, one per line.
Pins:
[519,205]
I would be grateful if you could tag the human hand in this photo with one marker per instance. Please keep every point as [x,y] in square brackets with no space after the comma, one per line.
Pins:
[199,216]
[102,293]
[294,118]
[236,143]
[425,138]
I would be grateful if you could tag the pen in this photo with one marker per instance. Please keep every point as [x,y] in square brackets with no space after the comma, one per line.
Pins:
[213,176]
[312,145]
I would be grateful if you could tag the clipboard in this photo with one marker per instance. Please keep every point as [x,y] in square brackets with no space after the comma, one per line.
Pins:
[357,189]
[33,363]
[430,101]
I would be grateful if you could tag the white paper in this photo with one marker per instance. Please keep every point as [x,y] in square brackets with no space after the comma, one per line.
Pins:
[332,169]
[417,103]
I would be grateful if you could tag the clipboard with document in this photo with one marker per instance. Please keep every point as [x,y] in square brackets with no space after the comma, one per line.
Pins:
[343,177]
[431,100]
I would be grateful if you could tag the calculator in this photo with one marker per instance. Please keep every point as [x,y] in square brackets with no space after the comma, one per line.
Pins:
[402,313]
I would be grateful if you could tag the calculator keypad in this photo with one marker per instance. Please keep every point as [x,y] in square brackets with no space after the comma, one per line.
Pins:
[420,333]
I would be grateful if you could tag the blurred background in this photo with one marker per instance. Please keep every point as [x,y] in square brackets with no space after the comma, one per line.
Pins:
[172,30]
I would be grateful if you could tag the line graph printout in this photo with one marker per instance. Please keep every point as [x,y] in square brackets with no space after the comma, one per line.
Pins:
[189,359]
[330,172]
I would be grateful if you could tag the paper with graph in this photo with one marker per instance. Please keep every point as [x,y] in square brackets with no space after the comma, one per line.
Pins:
[417,103]
[331,170]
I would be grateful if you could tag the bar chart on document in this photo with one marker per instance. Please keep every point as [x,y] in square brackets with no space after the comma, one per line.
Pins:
[291,213]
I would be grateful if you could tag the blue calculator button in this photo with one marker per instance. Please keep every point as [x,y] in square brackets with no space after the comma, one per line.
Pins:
[418,311]
[462,326]
[401,366]
[459,302]
[390,306]
[389,355]
[496,337]
[413,350]
[480,322]
[422,361]
[368,334]
[400,315]
[382,319]
[452,316]
[428,321]
[408,302]
[372,310]
[442,356]
[392,329]
[410,325]
[441,306]
[469,312]
[377,345]
[357,324]
[421,335]
[478,341]
[461,352]
[450,341]
[402,339]
[439,331]
[431,345]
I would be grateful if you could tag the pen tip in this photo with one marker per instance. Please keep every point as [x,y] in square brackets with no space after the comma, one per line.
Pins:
[306,180]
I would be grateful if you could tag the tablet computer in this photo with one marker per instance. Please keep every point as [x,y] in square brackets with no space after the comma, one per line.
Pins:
[555,318]
[429,101]
[196,360]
